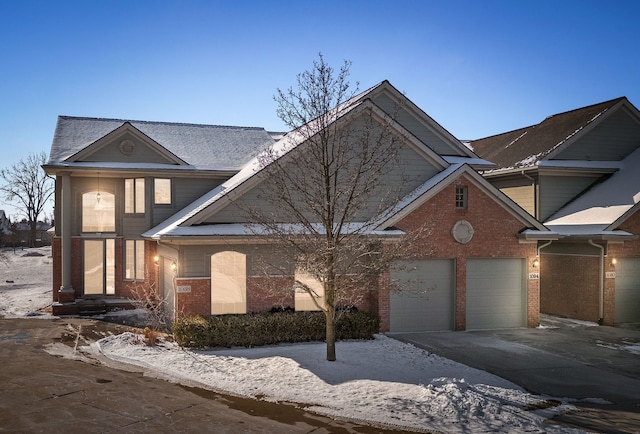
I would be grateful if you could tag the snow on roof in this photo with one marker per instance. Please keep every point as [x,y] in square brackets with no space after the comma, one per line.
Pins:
[206,147]
[605,202]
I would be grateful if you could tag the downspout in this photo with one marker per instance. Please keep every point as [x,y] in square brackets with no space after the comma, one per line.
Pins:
[535,195]
[601,293]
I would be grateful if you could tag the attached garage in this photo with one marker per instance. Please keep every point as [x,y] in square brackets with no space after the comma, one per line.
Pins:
[427,301]
[627,298]
[496,294]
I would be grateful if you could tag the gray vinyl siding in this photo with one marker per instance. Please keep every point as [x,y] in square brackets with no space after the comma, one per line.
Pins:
[196,260]
[612,140]
[184,191]
[412,171]
[557,191]
[142,153]
[416,127]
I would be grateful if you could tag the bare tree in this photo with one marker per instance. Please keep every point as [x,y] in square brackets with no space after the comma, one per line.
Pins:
[328,184]
[27,184]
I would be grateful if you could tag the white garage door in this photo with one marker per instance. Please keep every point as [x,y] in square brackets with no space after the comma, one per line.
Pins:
[427,301]
[495,294]
[628,290]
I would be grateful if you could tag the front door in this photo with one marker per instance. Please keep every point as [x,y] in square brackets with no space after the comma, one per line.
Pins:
[100,267]
[168,289]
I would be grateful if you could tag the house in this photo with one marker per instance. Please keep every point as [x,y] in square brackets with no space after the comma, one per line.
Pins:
[22,233]
[158,204]
[577,173]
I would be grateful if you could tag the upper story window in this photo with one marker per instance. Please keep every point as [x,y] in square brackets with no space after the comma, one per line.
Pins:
[162,191]
[461,196]
[98,211]
[134,196]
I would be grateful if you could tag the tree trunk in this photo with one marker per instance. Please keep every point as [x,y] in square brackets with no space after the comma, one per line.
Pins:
[330,330]
[32,233]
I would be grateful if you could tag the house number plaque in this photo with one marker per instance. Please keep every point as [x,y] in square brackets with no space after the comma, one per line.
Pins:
[182,289]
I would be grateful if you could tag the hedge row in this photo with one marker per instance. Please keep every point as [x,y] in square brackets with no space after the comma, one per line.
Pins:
[267,328]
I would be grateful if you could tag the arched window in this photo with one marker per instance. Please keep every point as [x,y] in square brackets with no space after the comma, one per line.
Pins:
[98,212]
[228,283]
[305,286]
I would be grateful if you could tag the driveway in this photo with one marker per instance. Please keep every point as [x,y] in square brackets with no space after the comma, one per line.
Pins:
[597,366]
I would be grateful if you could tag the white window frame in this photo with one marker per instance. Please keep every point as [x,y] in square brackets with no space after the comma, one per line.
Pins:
[158,197]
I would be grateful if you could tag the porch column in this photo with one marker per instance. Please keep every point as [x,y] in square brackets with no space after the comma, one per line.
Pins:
[66,292]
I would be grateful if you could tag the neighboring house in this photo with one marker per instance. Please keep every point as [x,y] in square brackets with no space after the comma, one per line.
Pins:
[22,233]
[153,203]
[577,172]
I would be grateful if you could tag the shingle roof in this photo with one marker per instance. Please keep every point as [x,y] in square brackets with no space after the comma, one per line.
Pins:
[206,147]
[526,146]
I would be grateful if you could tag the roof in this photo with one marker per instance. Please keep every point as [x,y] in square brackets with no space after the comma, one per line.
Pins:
[204,147]
[525,147]
[434,185]
[602,206]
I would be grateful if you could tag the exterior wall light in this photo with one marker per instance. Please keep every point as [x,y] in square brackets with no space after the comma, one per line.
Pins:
[536,263]
[174,266]
[614,261]
[156,260]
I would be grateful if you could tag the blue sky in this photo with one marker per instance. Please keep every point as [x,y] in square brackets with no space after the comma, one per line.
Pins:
[477,67]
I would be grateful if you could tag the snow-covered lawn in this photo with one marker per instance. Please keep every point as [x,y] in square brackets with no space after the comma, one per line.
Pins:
[382,381]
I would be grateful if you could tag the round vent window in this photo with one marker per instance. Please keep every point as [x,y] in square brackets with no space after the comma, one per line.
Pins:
[127,147]
[462,231]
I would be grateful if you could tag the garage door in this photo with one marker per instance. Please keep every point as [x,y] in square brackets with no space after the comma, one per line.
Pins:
[628,290]
[426,303]
[495,294]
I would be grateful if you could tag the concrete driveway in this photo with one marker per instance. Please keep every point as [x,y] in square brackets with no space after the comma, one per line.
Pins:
[597,366]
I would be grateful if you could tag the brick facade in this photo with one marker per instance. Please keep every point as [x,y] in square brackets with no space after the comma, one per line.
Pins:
[495,236]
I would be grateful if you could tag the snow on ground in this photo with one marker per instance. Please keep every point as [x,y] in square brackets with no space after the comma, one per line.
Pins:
[25,282]
[381,381]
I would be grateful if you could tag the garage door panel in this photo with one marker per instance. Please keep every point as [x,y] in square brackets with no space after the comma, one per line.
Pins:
[426,302]
[495,293]
[627,296]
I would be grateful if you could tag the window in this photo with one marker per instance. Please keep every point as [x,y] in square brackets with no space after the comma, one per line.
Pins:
[98,212]
[99,267]
[303,299]
[162,191]
[134,196]
[134,259]
[461,196]
[228,283]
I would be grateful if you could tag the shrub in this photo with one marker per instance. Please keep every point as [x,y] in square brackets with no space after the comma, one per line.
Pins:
[270,328]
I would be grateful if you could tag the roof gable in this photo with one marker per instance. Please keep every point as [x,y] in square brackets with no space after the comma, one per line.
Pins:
[547,140]
[436,184]
[415,120]
[606,204]
[250,176]
[126,144]
[204,147]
